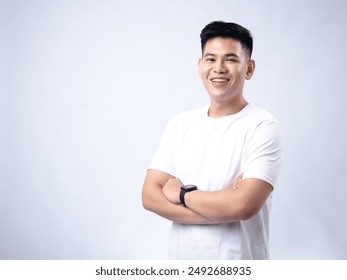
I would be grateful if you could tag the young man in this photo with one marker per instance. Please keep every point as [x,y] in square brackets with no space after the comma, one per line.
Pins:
[215,167]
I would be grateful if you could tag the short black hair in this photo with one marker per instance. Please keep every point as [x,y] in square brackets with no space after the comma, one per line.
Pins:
[227,30]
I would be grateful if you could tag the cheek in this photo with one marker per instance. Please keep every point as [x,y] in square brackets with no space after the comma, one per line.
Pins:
[239,73]
[204,71]
[243,71]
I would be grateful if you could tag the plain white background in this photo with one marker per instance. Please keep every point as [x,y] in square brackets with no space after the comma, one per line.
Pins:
[88,86]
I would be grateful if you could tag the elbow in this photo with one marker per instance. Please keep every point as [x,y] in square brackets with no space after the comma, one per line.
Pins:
[246,216]
[247,212]
[146,203]
[149,202]
[241,212]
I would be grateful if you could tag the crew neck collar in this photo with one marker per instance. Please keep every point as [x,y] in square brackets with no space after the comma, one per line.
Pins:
[231,116]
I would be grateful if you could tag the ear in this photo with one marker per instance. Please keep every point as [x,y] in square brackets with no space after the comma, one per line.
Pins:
[199,67]
[250,69]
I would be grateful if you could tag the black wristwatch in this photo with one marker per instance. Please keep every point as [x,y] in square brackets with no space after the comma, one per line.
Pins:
[184,190]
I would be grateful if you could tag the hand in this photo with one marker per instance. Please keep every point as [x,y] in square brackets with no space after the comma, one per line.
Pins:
[172,189]
[236,182]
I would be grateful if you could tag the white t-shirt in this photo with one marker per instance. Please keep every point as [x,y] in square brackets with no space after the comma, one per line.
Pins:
[210,153]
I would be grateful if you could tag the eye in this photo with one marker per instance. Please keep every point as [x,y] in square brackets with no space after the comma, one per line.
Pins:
[209,59]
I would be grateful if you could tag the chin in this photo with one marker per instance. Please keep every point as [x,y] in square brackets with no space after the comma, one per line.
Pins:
[219,96]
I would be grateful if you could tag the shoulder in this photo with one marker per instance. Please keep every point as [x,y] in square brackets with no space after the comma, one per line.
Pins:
[263,126]
[259,116]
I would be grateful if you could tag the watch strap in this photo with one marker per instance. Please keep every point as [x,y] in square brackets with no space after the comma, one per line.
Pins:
[182,194]
[184,190]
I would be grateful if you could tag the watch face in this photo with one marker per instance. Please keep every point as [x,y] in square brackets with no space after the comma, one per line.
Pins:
[189,188]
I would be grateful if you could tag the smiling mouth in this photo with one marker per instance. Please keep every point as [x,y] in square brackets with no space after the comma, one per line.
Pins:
[219,80]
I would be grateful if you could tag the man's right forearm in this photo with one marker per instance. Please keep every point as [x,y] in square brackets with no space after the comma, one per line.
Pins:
[154,200]
[158,204]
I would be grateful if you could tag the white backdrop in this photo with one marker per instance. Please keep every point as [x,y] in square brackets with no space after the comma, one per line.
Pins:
[88,86]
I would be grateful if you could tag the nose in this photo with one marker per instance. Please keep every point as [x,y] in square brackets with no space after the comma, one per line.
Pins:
[219,67]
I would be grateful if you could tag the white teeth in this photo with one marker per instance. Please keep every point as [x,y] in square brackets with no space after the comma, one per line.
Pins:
[219,80]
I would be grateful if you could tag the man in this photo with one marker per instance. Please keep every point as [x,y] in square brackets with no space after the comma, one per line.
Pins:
[215,167]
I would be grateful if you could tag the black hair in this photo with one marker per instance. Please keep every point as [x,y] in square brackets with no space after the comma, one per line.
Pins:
[227,30]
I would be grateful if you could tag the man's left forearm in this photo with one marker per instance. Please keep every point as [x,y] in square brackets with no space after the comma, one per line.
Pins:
[242,200]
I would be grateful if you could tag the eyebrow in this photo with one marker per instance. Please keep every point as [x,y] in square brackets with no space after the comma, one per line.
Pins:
[227,55]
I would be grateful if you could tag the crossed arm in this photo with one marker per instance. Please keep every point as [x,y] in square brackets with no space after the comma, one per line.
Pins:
[242,200]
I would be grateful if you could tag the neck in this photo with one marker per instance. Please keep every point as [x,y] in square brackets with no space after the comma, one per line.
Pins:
[222,110]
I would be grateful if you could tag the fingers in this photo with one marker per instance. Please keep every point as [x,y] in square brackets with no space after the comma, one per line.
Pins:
[239,178]
[237,181]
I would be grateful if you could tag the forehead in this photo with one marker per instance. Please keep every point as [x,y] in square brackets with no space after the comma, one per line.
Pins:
[220,46]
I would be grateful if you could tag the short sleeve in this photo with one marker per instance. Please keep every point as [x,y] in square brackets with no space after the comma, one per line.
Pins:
[263,152]
[163,157]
